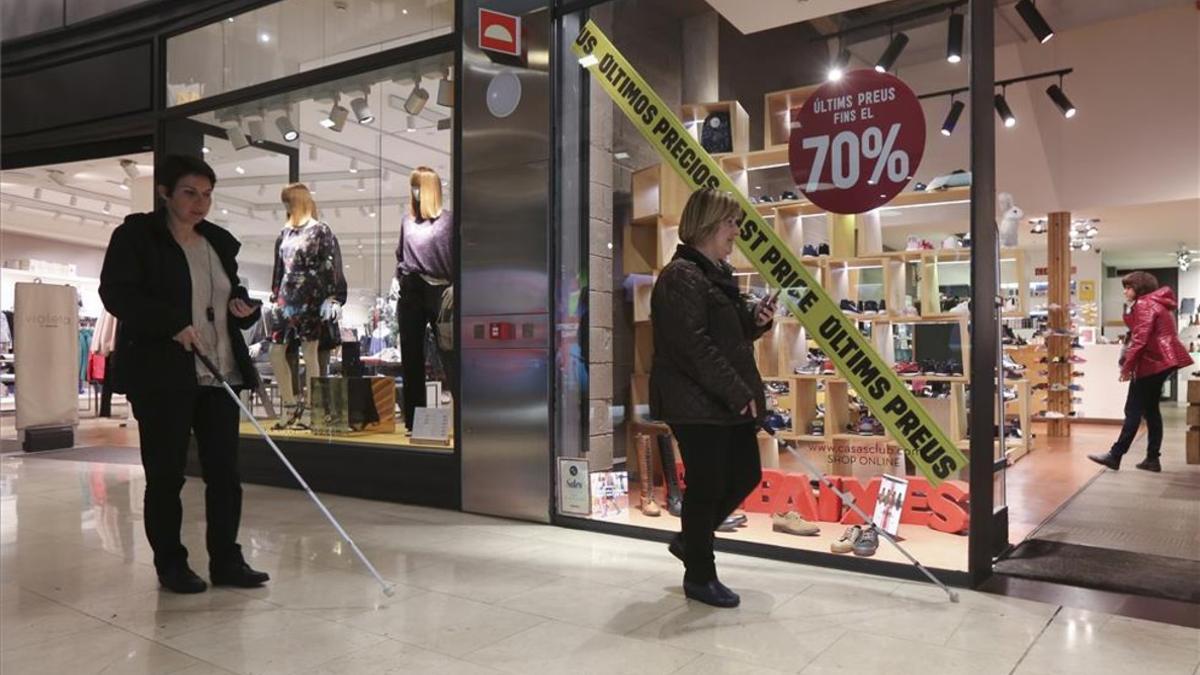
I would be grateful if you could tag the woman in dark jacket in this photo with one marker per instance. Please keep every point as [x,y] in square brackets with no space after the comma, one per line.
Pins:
[170,278]
[1152,353]
[704,382]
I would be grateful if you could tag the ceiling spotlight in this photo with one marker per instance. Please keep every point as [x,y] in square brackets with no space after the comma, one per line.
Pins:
[240,171]
[205,150]
[1034,19]
[445,95]
[124,185]
[1005,112]
[411,124]
[353,165]
[286,128]
[336,119]
[899,41]
[1085,245]
[362,185]
[416,101]
[954,38]
[956,108]
[237,137]
[107,208]
[254,125]
[837,69]
[130,168]
[1060,99]
[361,111]
[57,176]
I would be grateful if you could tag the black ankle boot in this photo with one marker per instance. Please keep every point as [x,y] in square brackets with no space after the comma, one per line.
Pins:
[1107,459]
[676,546]
[182,580]
[712,593]
[1150,464]
[666,454]
[237,574]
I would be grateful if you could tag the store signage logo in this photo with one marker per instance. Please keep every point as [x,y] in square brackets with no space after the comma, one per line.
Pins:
[499,32]
[857,142]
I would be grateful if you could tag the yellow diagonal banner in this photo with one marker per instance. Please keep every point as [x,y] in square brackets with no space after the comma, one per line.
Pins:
[924,443]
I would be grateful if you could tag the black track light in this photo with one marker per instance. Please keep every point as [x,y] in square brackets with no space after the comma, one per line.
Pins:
[956,108]
[899,41]
[1005,112]
[1034,19]
[1060,99]
[954,38]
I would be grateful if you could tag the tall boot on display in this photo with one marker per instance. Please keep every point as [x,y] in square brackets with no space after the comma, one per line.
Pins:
[649,506]
[674,496]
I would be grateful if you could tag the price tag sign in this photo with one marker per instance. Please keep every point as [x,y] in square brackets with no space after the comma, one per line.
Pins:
[858,142]
[431,425]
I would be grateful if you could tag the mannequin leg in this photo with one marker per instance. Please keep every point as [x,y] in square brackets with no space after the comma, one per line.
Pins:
[412,348]
[312,362]
[283,374]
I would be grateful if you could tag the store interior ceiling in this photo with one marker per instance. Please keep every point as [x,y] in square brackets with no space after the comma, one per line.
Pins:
[1155,210]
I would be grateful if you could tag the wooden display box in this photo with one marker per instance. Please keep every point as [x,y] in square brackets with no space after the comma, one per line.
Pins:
[659,195]
[1193,446]
[1193,415]
[693,115]
[1193,392]
[778,111]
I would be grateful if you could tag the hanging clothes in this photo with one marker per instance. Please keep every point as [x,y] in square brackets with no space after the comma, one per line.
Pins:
[104,339]
[83,348]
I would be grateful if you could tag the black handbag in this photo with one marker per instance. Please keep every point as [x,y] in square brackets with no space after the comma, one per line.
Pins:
[717,134]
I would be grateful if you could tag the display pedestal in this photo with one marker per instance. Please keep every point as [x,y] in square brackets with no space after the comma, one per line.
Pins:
[47,438]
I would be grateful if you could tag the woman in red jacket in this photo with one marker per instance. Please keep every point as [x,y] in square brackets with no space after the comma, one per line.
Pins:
[1152,353]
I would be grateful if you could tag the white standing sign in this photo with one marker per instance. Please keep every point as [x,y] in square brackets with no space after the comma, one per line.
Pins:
[574,498]
[46,351]
[431,425]
[889,505]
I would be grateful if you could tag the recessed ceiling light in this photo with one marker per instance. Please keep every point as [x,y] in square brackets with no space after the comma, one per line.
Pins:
[240,170]
[205,150]
[264,38]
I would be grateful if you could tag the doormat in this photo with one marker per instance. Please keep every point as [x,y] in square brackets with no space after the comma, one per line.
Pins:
[1104,569]
[102,454]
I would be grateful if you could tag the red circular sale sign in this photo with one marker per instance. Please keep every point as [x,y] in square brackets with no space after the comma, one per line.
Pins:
[857,142]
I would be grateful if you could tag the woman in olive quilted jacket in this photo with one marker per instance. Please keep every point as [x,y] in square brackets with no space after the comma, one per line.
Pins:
[1152,354]
[704,382]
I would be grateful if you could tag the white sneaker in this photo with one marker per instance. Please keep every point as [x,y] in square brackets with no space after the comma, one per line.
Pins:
[951,242]
[914,244]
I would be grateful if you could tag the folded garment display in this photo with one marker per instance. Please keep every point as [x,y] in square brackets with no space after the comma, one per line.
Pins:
[793,523]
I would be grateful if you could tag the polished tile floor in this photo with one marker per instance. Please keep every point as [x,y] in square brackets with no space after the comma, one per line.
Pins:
[480,595]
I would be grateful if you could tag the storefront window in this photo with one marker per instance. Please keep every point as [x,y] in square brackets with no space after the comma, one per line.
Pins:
[351,345]
[294,36]
[899,270]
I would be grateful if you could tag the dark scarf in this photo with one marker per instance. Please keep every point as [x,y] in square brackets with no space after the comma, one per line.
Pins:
[720,274]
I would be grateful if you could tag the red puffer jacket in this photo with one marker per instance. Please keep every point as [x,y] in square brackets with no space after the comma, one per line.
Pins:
[1154,344]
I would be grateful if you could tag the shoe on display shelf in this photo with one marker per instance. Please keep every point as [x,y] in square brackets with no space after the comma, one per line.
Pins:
[849,307]
[954,368]
[787,196]
[1010,364]
[870,307]
[963,307]
[823,249]
[912,244]
[867,544]
[809,251]
[1013,374]
[817,427]
[926,245]
[1052,415]
[846,542]
[869,426]
[777,388]
[1010,393]
[907,368]
[778,420]
[1075,387]
[1075,358]
[793,523]
[951,242]
[882,306]
[827,367]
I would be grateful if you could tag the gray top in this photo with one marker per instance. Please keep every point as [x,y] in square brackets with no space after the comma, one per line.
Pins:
[211,288]
[425,248]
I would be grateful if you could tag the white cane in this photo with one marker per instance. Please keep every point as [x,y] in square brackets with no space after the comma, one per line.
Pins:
[388,589]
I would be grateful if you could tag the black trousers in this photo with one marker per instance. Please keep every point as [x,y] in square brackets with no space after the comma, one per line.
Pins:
[165,424]
[1142,401]
[721,468]
[417,308]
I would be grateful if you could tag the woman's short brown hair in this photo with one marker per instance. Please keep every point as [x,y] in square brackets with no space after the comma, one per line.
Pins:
[704,212]
[1141,282]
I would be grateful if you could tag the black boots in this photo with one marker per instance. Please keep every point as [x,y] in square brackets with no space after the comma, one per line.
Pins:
[1108,459]
[712,593]
[1150,464]
[667,455]
[676,546]
[238,574]
[182,579]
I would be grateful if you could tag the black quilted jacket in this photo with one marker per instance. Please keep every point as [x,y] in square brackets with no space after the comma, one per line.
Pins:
[704,333]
